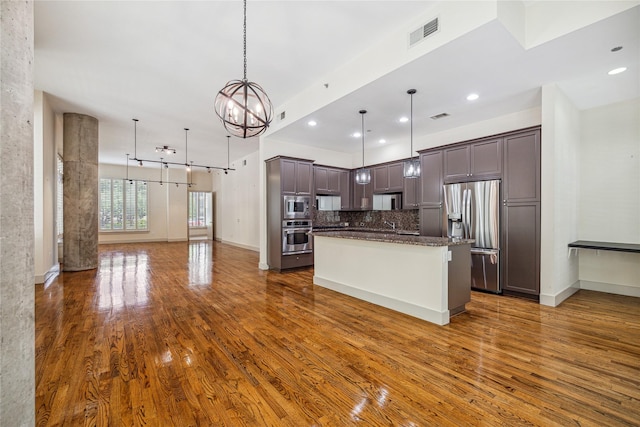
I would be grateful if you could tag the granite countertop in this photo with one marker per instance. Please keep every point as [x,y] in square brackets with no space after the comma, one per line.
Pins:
[389,236]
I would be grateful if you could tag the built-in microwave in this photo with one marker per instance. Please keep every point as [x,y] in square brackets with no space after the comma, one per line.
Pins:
[296,207]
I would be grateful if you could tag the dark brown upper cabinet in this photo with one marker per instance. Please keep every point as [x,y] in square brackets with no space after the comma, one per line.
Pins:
[522,167]
[345,189]
[297,176]
[388,178]
[473,162]
[411,193]
[431,177]
[327,180]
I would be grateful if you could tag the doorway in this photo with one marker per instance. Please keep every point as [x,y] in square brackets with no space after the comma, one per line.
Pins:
[200,215]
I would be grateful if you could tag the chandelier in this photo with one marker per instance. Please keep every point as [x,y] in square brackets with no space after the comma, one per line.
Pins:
[243,106]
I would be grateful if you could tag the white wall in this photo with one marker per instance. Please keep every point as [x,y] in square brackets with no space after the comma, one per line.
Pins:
[610,196]
[45,177]
[237,203]
[510,122]
[560,188]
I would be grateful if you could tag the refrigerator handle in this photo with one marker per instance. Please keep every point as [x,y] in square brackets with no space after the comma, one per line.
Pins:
[469,213]
[465,214]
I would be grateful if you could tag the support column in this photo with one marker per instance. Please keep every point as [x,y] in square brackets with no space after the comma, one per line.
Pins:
[17,356]
[80,147]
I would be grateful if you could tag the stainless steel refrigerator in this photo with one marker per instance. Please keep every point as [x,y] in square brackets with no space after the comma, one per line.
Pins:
[472,211]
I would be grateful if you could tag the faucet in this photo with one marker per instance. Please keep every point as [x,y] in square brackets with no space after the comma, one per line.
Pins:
[390,224]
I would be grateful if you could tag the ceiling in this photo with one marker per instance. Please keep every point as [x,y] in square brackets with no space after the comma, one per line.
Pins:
[163,63]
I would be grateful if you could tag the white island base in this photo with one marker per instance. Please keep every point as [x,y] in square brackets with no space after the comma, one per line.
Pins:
[430,282]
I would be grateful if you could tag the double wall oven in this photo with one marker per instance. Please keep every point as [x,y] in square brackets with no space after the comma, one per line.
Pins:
[295,236]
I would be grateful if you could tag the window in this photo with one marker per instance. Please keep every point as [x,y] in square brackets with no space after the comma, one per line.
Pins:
[197,209]
[60,198]
[123,205]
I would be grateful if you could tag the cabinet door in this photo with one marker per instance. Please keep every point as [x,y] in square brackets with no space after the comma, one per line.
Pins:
[456,164]
[411,193]
[304,177]
[431,221]
[320,179]
[345,190]
[521,182]
[521,248]
[396,177]
[431,177]
[380,179]
[486,159]
[333,181]
[288,176]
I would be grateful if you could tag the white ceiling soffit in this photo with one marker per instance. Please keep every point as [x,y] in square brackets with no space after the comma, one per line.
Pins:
[490,62]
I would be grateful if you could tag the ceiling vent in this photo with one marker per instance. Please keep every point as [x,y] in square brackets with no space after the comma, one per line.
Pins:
[423,32]
[440,116]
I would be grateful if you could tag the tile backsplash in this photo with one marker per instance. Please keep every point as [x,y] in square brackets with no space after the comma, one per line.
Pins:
[404,219]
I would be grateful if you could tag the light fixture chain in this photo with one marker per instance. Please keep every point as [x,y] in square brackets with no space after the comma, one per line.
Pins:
[244,35]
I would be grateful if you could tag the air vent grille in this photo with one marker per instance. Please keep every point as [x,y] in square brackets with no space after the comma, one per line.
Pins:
[423,32]
[440,116]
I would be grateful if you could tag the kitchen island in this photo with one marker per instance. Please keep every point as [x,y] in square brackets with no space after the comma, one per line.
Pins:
[425,277]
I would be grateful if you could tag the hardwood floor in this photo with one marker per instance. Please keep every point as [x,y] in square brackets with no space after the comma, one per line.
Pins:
[190,334]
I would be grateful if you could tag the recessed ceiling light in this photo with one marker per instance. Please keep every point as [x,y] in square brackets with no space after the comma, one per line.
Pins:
[472,97]
[382,141]
[617,71]
[312,123]
[403,119]
[356,134]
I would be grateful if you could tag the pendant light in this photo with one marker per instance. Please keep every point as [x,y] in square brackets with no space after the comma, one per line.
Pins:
[243,106]
[411,166]
[363,175]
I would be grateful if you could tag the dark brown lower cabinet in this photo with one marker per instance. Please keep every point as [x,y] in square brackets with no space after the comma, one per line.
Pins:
[521,249]
[431,220]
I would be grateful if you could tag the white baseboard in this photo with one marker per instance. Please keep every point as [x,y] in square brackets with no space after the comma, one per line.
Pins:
[240,245]
[439,318]
[115,242]
[556,300]
[50,274]
[610,288]
[263,266]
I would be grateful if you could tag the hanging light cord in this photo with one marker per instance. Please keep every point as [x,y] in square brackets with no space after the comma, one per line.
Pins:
[411,125]
[135,139]
[244,36]
[362,113]
[186,146]
[228,137]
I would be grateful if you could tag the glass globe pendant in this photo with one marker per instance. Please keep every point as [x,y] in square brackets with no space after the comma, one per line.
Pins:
[411,166]
[363,175]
